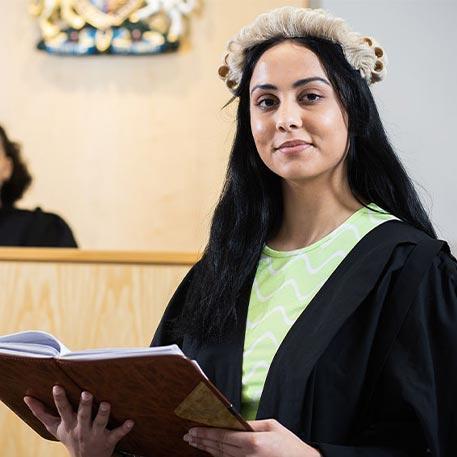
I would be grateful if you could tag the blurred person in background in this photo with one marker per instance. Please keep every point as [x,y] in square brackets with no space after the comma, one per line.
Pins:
[21,227]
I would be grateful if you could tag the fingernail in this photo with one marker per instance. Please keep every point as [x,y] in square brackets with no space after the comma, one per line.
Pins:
[129,424]
[193,432]
[57,390]
[104,406]
[86,395]
[186,437]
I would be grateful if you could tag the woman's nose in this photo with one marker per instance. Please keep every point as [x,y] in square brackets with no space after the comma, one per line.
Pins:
[288,117]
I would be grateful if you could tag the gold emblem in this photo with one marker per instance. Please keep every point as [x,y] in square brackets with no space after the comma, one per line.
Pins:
[81,27]
[108,14]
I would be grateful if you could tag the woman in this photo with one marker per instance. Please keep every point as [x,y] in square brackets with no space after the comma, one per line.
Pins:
[20,227]
[323,307]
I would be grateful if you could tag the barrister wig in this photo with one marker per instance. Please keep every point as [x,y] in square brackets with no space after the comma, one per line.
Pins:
[363,53]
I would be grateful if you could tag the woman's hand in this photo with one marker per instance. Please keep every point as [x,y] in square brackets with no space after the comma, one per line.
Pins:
[81,436]
[269,439]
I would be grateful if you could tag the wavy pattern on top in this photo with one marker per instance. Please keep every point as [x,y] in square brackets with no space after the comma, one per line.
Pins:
[292,283]
[255,367]
[306,260]
[261,339]
[278,309]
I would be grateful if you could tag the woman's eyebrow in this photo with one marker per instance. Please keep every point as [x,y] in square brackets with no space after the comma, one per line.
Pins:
[299,83]
[264,86]
[302,82]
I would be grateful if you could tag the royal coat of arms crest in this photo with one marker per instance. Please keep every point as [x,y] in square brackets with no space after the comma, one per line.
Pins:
[125,27]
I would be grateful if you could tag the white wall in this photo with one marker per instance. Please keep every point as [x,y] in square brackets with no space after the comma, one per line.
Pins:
[417,100]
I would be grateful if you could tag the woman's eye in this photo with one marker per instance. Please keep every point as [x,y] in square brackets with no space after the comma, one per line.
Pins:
[266,103]
[310,98]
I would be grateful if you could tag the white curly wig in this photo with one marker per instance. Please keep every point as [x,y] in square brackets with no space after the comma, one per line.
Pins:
[363,53]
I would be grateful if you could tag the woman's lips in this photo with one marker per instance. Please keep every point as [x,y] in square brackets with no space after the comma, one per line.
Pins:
[293,147]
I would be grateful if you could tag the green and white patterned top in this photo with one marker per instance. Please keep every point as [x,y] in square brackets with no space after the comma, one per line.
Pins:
[284,284]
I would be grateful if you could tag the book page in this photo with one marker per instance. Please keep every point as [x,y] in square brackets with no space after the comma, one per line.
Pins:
[33,343]
[111,353]
[43,344]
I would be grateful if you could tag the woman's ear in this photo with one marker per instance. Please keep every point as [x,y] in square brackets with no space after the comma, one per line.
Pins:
[6,169]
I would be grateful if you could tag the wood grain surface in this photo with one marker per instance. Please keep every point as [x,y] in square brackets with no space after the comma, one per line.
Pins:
[97,256]
[85,305]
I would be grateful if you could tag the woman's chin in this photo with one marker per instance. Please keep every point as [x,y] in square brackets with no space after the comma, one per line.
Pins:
[298,173]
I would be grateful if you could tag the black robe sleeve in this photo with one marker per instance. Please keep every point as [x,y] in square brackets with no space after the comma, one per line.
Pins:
[418,381]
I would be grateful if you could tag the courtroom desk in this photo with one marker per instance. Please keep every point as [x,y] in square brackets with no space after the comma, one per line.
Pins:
[87,299]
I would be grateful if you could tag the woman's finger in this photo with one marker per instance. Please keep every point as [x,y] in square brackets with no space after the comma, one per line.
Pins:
[216,448]
[85,411]
[102,417]
[118,433]
[265,425]
[63,407]
[221,435]
[50,421]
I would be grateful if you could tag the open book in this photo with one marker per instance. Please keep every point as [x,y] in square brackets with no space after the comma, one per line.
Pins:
[164,392]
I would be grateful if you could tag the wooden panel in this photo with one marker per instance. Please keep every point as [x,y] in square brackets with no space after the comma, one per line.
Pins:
[84,305]
[85,256]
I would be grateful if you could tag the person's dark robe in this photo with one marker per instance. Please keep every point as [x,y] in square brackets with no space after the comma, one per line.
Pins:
[25,228]
[369,369]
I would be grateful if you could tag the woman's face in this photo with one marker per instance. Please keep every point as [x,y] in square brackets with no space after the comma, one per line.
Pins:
[6,165]
[299,128]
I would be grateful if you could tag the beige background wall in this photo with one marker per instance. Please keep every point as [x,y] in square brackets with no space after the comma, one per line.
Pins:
[131,151]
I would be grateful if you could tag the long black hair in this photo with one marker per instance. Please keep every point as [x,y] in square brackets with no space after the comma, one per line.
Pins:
[250,208]
[13,189]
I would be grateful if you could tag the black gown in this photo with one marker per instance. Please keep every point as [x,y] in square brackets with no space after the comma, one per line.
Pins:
[369,369]
[20,227]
